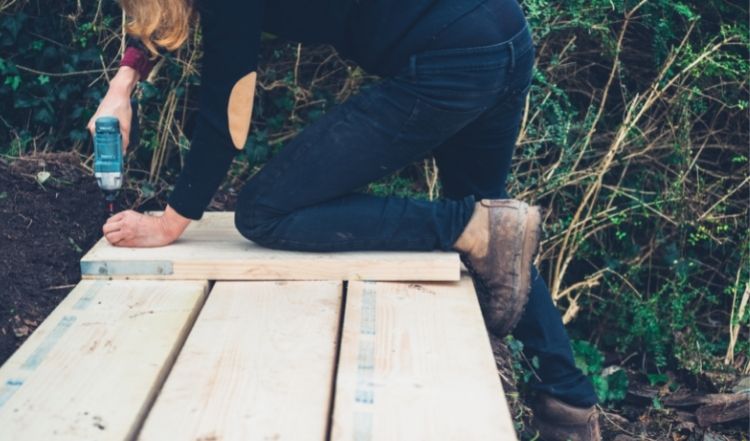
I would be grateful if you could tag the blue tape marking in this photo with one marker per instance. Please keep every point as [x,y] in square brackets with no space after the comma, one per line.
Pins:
[38,355]
[88,297]
[366,356]
[365,392]
[127,268]
[9,388]
[367,320]
[362,426]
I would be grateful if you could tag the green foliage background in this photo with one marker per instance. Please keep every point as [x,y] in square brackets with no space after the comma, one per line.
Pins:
[635,138]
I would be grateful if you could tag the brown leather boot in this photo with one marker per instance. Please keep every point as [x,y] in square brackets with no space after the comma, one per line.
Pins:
[498,248]
[558,421]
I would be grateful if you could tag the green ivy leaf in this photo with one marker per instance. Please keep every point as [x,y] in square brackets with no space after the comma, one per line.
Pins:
[685,11]
[657,379]
[13,81]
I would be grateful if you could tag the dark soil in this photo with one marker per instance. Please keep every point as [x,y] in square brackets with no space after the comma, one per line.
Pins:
[45,227]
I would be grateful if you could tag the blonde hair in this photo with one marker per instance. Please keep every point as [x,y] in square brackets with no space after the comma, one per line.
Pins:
[159,23]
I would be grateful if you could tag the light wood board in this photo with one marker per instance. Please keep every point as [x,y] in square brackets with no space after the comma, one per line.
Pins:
[91,369]
[416,364]
[258,365]
[212,249]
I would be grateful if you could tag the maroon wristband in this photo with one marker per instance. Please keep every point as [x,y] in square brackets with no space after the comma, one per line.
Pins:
[138,60]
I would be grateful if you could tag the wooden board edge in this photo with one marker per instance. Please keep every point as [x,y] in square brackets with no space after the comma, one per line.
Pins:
[169,362]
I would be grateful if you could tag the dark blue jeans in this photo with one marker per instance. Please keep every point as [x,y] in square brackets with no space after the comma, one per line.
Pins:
[464,106]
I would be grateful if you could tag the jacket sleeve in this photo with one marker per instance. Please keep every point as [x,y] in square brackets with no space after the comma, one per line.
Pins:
[137,57]
[231,38]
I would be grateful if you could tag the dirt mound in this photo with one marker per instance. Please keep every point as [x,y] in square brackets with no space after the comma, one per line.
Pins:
[51,212]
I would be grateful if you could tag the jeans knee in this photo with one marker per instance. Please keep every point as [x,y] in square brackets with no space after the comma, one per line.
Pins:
[254,220]
[250,226]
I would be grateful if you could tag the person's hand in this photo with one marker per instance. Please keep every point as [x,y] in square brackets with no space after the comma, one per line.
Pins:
[117,103]
[131,229]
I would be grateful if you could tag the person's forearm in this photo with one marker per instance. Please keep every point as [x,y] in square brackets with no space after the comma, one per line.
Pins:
[124,80]
[173,223]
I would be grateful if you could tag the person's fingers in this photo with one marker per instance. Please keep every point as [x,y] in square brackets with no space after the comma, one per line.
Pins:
[129,217]
[129,241]
[122,243]
[125,229]
[117,217]
[126,243]
[111,226]
[115,237]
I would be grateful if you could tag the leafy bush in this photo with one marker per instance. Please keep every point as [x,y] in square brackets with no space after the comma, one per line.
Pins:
[610,385]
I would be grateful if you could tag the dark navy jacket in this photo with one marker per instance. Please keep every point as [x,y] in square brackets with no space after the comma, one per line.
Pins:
[379,35]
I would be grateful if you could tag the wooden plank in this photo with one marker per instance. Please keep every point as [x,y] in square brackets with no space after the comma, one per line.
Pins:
[212,249]
[92,368]
[416,364]
[258,365]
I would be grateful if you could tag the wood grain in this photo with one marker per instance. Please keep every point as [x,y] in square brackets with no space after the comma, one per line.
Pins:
[258,365]
[416,364]
[92,368]
[212,249]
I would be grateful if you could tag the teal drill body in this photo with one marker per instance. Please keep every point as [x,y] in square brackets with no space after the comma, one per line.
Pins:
[108,161]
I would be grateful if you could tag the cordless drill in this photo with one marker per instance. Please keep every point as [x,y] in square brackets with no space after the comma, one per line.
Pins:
[108,160]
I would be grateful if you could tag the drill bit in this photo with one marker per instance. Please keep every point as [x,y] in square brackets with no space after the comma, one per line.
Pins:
[109,198]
